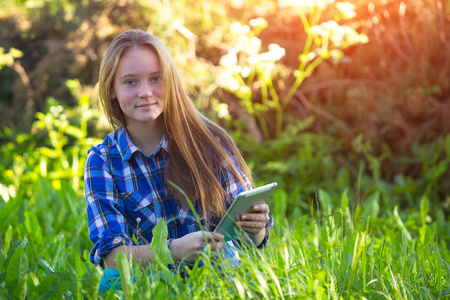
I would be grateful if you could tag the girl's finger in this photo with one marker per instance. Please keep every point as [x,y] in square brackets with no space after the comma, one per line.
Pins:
[260,208]
[264,208]
[217,236]
[253,230]
[250,225]
[211,236]
[264,218]
[217,245]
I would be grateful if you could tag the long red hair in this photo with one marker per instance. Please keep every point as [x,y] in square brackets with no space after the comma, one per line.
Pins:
[199,149]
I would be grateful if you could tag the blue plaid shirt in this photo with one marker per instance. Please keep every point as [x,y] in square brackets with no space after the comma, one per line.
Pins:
[127,195]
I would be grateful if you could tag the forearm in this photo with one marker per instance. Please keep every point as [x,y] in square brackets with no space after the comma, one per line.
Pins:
[187,247]
[140,253]
[254,238]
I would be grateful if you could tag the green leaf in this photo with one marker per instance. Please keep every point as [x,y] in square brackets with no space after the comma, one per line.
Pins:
[50,287]
[400,223]
[32,225]
[90,282]
[281,198]
[21,290]
[159,246]
[74,131]
[344,201]
[72,282]
[23,243]
[8,238]
[123,266]
[426,235]
[11,206]
[435,172]
[76,264]
[325,200]
[424,208]
[166,277]
[372,205]
[68,197]
[15,272]
[45,266]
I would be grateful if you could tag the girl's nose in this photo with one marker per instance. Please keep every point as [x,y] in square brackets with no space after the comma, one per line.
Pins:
[145,91]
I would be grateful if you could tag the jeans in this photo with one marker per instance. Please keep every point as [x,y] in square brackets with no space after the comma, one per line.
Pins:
[111,278]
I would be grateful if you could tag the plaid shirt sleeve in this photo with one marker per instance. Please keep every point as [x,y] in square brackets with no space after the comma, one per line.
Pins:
[107,226]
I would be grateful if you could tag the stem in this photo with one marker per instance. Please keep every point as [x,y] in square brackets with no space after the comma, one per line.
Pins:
[313,65]
[264,128]
[316,16]
[279,121]
[279,108]
[300,79]
[248,104]
[264,92]
[293,89]
[302,67]
[251,77]
[308,41]
[262,115]
[272,91]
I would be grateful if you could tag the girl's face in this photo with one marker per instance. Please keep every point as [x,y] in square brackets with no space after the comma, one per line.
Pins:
[138,86]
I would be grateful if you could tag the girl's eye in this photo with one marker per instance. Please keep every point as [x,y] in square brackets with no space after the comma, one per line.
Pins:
[155,79]
[130,82]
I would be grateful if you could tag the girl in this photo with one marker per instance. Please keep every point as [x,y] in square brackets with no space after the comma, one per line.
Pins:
[159,137]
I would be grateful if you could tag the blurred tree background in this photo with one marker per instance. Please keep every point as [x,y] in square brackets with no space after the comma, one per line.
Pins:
[336,94]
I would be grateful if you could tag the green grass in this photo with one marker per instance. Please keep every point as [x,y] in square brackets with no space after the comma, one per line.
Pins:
[331,253]
[390,243]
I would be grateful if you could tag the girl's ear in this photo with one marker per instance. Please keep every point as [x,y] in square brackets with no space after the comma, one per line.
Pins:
[113,94]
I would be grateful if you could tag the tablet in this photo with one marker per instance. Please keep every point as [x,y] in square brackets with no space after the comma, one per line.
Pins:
[243,202]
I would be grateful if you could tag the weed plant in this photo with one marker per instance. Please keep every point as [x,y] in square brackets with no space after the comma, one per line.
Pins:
[342,244]
[329,253]
[357,216]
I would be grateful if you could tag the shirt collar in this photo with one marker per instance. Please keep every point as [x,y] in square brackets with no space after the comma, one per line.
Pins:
[128,148]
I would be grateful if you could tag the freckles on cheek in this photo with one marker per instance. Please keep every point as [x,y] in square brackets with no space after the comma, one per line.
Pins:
[160,91]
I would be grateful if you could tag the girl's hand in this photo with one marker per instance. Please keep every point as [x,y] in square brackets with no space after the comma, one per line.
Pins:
[190,246]
[254,220]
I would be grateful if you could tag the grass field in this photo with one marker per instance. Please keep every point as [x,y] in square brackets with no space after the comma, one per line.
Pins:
[345,252]
[345,105]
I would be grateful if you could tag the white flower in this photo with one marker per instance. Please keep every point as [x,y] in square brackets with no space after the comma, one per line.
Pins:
[258,22]
[236,69]
[253,59]
[336,54]
[252,46]
[347,9]
[277,51]
[238,28]
[222,110]
[319,30]
[306,58]
[302,4]
[229,59]
[245,90]
[245,72]
[226,80]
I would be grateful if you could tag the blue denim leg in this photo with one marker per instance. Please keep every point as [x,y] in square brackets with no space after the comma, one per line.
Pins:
[230,253]
[110,279]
